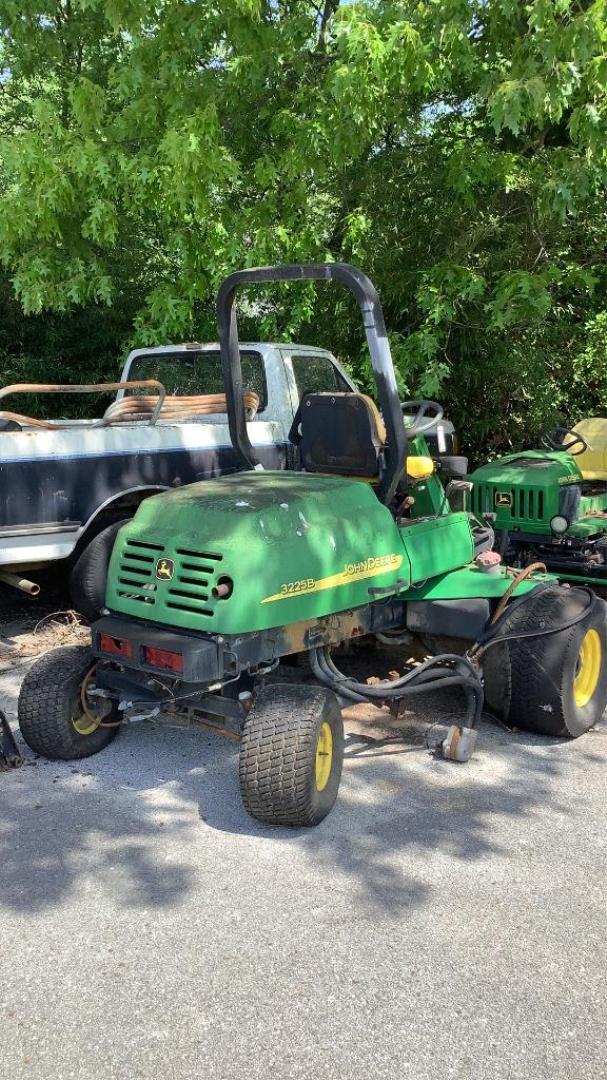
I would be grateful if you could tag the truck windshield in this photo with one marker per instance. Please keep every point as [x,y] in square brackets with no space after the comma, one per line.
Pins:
[186,373]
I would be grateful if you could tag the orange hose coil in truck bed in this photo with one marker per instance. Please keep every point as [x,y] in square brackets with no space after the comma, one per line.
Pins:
[136,407]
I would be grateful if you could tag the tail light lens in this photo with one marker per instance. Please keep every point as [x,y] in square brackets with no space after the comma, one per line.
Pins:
[114,646]
[162,658]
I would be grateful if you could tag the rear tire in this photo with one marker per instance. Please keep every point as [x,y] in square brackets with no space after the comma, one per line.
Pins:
[555,684]
[291,755]
[88,576]
[50,709]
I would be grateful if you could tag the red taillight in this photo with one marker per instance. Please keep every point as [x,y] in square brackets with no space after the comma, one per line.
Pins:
[114,646]
[162,658]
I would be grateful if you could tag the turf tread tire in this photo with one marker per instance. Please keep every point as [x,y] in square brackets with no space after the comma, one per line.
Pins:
[48,699]
[278,753]
[529,682]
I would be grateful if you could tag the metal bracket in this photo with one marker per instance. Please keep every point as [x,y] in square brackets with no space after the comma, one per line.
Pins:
[10,758]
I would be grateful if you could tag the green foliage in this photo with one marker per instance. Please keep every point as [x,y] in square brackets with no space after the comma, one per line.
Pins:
[456,151]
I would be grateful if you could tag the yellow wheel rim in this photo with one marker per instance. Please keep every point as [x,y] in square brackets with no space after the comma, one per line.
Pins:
[324,756]
[86,723]
[588,668]
[85,726]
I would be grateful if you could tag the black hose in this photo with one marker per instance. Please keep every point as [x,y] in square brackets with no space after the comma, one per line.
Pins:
[491,637]
[433,674]
[422,673]
[440,672]
[397,689]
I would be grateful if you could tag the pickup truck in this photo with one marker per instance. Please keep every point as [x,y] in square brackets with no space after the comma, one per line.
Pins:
[66,485]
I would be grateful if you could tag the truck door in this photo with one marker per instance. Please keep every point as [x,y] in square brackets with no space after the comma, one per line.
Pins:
[313,370]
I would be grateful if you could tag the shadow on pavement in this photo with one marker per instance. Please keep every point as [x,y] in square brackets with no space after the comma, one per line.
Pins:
[141,818]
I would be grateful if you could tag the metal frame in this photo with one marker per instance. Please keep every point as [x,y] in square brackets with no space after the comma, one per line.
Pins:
[377,340]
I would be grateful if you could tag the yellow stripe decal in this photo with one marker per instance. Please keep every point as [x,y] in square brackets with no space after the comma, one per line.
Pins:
[369,568]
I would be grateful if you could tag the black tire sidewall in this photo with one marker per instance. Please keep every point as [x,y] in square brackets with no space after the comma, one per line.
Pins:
[580,719]
[529,681]
[48,702]
[98,739]
[321,802]
[88,576]
[277,762]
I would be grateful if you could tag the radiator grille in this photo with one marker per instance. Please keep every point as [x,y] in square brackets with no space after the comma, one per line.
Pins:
[521,504]
[190,589]
[136,580]
[192,584]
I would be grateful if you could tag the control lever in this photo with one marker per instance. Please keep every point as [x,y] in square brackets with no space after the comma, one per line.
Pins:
[462,486]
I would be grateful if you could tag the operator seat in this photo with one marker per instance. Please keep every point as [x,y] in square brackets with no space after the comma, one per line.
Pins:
[593,461]
[341,434]
[344,434]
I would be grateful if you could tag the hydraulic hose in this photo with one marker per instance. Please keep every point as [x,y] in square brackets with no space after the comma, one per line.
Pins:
[437,673]
[520,576]
[443,671]
[492,636]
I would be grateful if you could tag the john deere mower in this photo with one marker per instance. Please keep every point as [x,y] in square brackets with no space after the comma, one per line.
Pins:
[550,505]
[211,585]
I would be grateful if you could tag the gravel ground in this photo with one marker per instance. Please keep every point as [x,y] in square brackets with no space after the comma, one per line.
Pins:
[444,921]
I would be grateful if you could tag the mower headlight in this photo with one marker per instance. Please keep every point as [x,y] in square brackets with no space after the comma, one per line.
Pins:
[559,524]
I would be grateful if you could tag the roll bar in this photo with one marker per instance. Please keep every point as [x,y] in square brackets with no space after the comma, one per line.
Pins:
[377,340]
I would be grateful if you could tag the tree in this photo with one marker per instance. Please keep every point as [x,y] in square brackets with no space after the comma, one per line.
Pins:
[455,150]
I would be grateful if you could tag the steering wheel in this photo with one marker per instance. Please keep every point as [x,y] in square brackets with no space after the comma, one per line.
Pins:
[420,407]
[549,440]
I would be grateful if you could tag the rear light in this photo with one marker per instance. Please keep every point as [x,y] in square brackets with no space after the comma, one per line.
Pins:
[114,646]
[162,658]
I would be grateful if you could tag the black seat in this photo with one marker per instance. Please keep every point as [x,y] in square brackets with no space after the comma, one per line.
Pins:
[342,434]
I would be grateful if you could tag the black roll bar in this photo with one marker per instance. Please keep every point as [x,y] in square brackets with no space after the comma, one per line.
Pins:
[377,341]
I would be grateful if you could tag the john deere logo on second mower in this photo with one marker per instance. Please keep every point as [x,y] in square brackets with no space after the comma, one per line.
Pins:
[503,498]
[165,568]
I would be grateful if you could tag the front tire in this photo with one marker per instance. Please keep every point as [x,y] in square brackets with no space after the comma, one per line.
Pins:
[291,755]
[51,714]
[555,684]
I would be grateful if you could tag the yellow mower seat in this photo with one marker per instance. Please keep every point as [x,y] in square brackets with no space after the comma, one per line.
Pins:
[593,461]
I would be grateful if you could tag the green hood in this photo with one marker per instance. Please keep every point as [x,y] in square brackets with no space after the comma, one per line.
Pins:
[287,546]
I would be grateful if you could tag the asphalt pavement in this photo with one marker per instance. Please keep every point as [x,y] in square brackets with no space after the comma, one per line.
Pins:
[445,921]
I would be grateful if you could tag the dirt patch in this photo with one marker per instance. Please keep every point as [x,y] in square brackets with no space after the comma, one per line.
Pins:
[30,633]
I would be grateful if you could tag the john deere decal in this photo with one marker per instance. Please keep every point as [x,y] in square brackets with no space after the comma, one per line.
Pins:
[165,568]
[372,567]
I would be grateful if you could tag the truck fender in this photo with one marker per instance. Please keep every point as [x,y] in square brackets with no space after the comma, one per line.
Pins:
[113,502]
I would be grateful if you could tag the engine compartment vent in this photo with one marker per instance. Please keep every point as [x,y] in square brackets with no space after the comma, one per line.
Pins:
[191,588]
[153,575]
[521,504]
[136,571]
